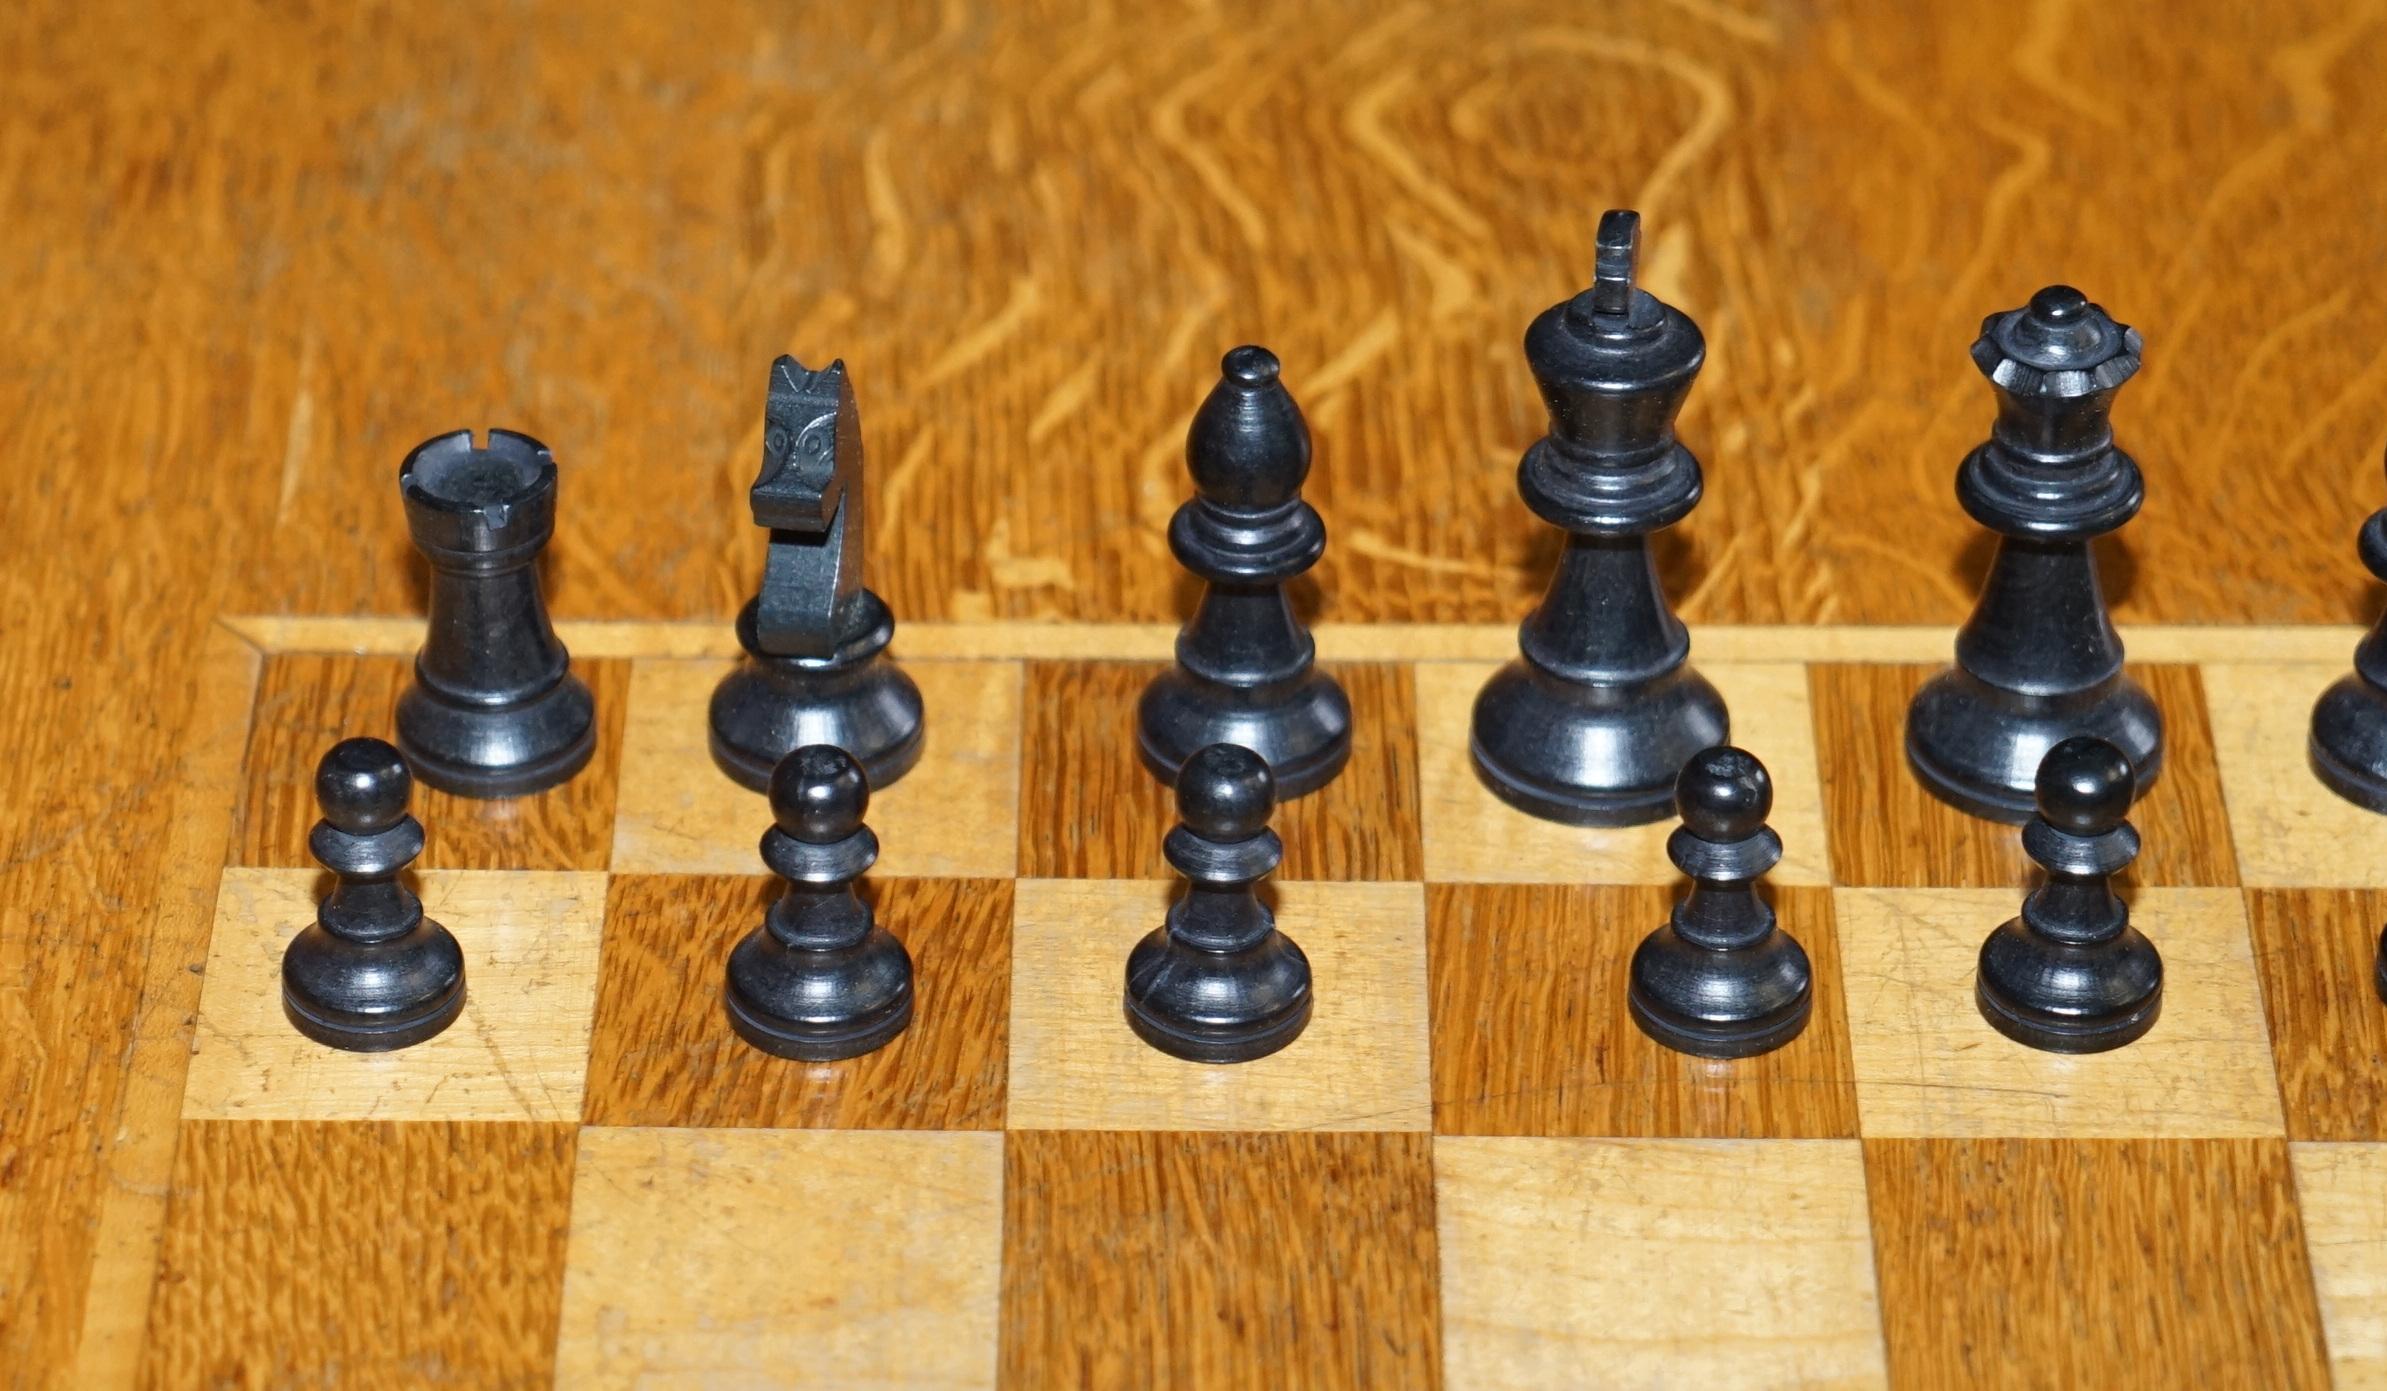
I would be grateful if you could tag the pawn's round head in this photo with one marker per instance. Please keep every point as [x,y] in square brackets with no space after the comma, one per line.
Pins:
[2085,786]
[363,786]
[818,794]
[1723,794]
[1225,792]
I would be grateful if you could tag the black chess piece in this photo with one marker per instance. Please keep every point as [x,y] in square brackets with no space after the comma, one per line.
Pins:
[2071,975]
[1217,982]
[1721,979]
[2348,747]
[372,974]
[2379,971]
[1245,672]
[815,670]
[2039,662]
[494,709]
[1600,711]
[820,979]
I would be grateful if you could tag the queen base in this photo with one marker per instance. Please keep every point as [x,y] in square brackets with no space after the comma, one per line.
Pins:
[1977,747]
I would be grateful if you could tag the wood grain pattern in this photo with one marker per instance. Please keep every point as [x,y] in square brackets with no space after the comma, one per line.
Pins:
[308,1253]
[1656,1263]
[308,702]
[1092,811]
[747,1258]
[663,1053]
[954,815]
[2317,950]
[2289,829]
[2026,1263]
[2341,1195]
[256,253]
[1886,830]
[1532,1035]
[1359,1065]
[517,1052]
[1928,1064]
[1189,1262]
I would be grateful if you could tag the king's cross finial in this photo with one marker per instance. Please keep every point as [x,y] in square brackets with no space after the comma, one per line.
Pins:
[1619,260]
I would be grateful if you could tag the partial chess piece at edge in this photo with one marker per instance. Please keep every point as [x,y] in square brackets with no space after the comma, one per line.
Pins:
[372,973]
[2071,975]
[1218,982]
[820,979]
[1722,979]
[2348,743]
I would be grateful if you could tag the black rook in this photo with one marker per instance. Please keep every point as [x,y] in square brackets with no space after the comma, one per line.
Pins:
[494,709]
[1592,722]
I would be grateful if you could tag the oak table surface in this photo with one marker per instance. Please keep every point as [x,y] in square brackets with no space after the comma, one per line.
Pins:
[251,255]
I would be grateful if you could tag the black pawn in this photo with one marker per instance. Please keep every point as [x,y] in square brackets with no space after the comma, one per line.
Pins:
[2039,662]
[1217,982]
[820,979]
[2349,723]
[1600,710]
[372,974]
[494,709]
[816,669]
[1721,980]
[2071,975]
[1245,672]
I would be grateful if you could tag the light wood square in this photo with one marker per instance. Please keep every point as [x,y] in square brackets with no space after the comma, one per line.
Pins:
[518,1052]
[2341,1190]
[1928,1065]
[1710,1263]
[766,1258]
[2290,830]
[1360,1065]
[955,814]
[1473,836]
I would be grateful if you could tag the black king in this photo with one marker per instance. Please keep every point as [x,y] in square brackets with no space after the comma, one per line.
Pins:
[1593,721]
[814,636]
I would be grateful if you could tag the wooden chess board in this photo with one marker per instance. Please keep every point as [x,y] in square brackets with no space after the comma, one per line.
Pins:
[1471,1171]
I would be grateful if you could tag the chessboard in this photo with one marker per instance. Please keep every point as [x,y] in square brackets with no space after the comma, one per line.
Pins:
[1471,1171]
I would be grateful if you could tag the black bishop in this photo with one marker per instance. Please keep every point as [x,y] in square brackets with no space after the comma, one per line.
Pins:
[1245,671]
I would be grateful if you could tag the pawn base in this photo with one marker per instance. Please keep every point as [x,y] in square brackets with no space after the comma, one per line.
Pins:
[1178,998]
[853,1000]
[1300,729]
[373,997]
[497,751]
[2348,747]
[1720,1004]
[2065,997]
[1589,755]
[2065,1034]
[1977,747]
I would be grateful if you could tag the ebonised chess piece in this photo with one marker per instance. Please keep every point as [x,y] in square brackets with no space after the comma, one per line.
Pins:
[372,974]
[2039,662]
[2071,975]
[815,670]
[1217,982]
[1721,979]
[1600,711]
[1245,672]
[820,979]
[494,709]
[2348,747]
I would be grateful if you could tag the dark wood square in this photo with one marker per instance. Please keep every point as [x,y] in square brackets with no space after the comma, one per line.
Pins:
[306,702]
[1532,1035]
[362,1254]
[1090,810]
[2316,950]
[1887,832]
[2043,1263]
[662,1051]
[1182,1262]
